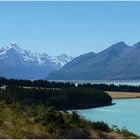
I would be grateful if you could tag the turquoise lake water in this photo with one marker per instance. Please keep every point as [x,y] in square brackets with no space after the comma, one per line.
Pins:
[125,113]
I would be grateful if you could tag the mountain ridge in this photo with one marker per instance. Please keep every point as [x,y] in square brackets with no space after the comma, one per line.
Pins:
[119,61]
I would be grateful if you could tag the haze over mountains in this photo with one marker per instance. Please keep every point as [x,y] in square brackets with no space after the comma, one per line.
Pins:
[22,64]
[119,61]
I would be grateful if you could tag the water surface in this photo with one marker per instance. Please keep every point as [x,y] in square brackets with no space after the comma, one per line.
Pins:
[116,82]
[125,113]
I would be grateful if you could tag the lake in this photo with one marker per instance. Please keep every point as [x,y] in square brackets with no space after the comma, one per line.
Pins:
[125,113]
[115,82]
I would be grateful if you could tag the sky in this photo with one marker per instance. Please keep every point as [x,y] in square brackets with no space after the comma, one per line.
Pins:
[73,28]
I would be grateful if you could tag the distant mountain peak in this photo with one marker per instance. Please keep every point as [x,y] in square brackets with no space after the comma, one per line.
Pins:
[11,45]
[137,44]
[121,43]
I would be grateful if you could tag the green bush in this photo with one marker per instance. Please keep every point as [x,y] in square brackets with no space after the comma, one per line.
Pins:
[101,126]
[75,117]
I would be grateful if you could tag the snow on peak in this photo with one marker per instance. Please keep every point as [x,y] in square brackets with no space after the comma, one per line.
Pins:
[28,56]
[60,60]
[10,46]
[12,51]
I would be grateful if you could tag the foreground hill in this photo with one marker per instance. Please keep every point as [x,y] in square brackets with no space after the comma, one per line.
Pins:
[119,61]
[40,122]
[19,63]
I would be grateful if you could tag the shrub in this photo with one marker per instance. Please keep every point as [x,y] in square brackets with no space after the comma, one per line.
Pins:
[75,117]
[101,126]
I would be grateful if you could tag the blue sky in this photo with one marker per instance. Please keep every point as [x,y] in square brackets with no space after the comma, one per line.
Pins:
[73,28]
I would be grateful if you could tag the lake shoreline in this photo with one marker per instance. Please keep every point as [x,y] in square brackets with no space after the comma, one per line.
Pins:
[89,107]
[117,95]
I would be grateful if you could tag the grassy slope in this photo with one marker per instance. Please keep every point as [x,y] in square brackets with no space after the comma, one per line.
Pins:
[17,121]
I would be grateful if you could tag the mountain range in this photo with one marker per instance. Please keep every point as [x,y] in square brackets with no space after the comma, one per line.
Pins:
[118,62]
[19,63]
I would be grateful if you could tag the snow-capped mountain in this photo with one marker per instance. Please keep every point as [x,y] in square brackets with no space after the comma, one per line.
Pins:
[60,60]
[16,62]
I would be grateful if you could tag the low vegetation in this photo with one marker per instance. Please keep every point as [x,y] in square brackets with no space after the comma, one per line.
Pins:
[19,121]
